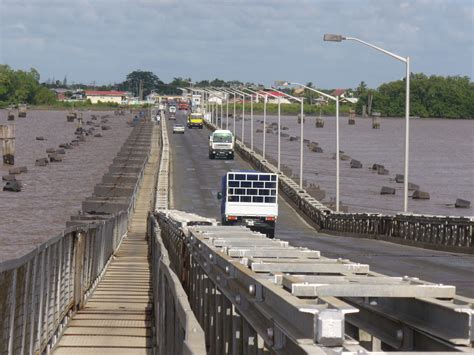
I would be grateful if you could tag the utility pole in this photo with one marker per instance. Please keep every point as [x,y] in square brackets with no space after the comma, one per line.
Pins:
[140,94]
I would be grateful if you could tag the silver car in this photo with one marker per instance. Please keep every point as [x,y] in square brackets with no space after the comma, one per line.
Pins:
[178,128]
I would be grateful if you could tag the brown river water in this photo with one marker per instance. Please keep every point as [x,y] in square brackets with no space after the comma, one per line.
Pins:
[441,160]
[51,194]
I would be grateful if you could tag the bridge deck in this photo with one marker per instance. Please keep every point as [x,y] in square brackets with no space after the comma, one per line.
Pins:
[117,317]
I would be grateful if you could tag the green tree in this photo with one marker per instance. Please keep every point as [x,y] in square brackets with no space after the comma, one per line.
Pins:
[138,78]
[218,83]
[18,86]
[180,82]
[44,96]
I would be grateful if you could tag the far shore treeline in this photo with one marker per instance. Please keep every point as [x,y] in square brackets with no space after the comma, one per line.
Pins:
[430,96]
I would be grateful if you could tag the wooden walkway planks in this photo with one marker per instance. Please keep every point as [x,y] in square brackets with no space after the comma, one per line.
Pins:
[117,317]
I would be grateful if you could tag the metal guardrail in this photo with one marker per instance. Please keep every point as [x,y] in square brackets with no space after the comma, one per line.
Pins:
[40,291]
[252,294]
[162,194]
[176,329]
[436,232]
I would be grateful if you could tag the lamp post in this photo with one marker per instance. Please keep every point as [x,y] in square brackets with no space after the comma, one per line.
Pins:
[217,93]
[336,99]
[266,94]
[208,107]
[228,90]
[406,60]
[300,100]
[227,111]
[243,111]
[251,116]
[221,95]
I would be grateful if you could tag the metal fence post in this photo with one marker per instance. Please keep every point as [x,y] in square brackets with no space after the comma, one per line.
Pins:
[12,312]
[79,248]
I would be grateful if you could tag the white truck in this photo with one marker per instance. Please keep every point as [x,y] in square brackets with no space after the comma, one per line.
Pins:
[221,144]
[172,112]
[250,198]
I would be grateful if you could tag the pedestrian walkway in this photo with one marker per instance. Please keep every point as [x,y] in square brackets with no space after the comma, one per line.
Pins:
[117,317]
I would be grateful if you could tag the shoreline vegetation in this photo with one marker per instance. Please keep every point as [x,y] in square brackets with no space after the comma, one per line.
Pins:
[430,97]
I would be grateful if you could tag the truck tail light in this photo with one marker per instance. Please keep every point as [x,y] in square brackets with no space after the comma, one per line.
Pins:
[231,218]
[270,218]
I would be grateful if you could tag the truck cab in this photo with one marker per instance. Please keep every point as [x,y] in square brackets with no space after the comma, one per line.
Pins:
[221,144]
[196,120]
[172,112]
[250,198]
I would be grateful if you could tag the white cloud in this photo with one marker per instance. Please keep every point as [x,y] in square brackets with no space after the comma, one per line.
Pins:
[100,40]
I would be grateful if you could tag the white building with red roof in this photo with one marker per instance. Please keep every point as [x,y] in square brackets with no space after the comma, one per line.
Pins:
[271,99]
[118,97]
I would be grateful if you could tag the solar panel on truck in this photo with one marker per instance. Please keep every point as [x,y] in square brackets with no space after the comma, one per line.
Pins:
[252,188]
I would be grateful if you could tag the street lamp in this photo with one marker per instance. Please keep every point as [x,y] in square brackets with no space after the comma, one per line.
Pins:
[217,94]
[243,111]
[224,94]
[406,60]
[209,105]
[266,94]
[228,90]
[301,100]
[335,98]
[251,115]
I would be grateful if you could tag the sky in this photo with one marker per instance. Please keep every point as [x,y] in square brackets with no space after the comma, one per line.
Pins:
[256,41]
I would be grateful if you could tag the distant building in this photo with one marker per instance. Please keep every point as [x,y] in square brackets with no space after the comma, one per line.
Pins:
[338,92]
[60,93]
[118,97]
[351,100]
[216,99]
[342,96]
[272,99]
[152,98]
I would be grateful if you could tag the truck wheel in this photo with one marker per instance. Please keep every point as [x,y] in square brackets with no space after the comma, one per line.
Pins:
[270,234]
[231,157]
[211,156]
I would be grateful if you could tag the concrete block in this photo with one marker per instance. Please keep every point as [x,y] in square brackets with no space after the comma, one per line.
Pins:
[355,164]
[386,190]
[329,327]
[12,186]
[382,171]
[421,195]
[55,158]
[399,178]
[41,162]
[14,171]
[460,203]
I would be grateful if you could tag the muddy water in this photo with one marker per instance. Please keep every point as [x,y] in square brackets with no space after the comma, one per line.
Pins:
[441,161]
[53,193]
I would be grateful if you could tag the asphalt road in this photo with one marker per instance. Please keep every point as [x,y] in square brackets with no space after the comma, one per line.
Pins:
[195,181]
